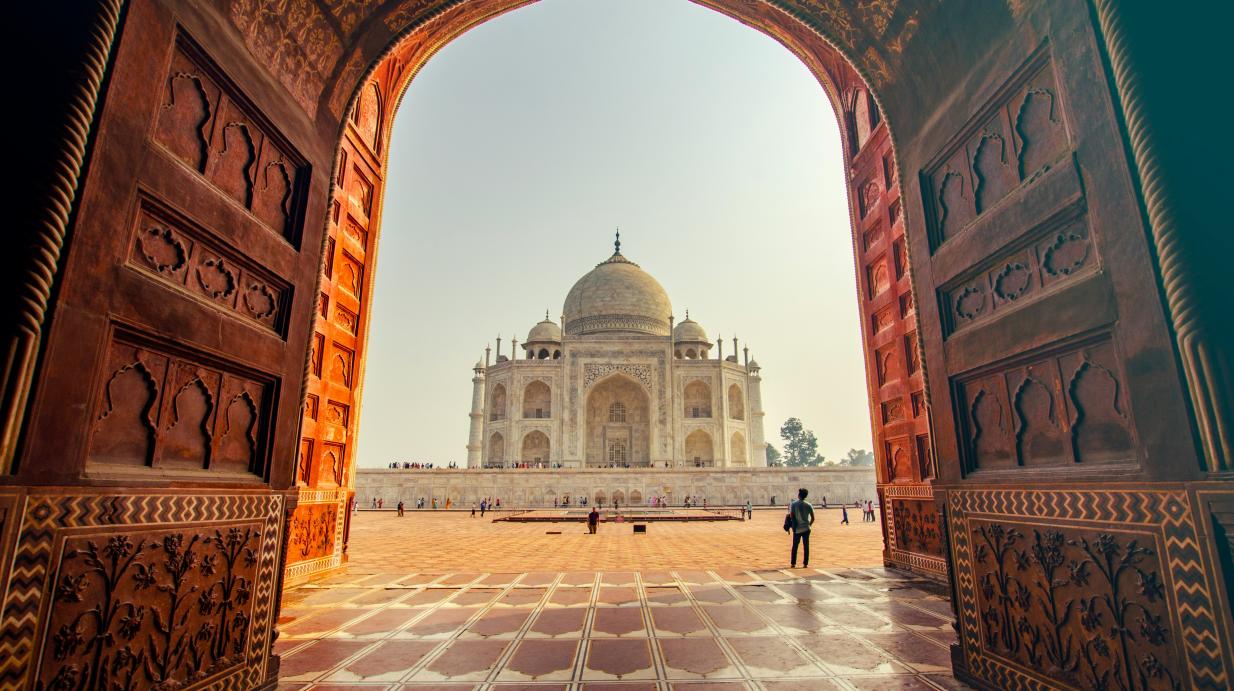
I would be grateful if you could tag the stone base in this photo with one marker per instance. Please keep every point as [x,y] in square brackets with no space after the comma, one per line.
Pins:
[538,488]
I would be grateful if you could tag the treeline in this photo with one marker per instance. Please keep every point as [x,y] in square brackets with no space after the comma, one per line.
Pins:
[801,450]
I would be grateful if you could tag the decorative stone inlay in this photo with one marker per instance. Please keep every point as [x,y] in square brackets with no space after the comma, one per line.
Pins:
[593,373]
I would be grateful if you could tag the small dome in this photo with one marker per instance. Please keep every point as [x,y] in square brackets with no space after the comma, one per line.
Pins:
[617,296]
[753,364]
[545,332]
[479,364]
[689,330]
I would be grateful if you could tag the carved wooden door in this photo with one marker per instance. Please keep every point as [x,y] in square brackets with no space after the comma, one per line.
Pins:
[160,432]
[1059,413]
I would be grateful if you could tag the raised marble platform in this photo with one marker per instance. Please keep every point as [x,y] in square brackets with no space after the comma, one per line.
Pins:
[538,488]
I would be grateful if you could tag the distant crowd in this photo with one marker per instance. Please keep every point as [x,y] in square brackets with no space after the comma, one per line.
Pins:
[409,465]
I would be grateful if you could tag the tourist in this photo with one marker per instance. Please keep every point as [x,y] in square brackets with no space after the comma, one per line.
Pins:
[749,510]
[801,516]
[483,506]
[593,520]
[473,509]
[434,503]
[843,515]
[374,503]
[400,507]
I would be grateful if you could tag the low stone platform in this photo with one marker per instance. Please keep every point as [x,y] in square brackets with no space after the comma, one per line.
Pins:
[538,488]
[632,515]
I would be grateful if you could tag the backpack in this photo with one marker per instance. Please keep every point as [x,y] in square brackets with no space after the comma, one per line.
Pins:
[788,521]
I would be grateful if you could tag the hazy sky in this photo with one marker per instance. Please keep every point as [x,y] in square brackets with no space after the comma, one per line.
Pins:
[523,143]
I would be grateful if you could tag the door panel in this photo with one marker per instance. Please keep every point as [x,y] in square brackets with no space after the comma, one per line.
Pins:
[1058,406]
[153,438]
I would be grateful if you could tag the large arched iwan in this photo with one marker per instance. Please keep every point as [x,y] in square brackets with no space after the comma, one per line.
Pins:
[895,378]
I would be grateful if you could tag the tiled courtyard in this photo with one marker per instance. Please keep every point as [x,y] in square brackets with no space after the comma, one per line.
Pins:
[527,614]
[437,541]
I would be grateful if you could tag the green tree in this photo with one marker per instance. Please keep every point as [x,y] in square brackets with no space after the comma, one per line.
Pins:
[800,444]
[773,456]
[859,458]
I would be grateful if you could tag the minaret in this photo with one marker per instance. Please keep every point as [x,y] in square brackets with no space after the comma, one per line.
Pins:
[720,347]
[475,438]
[754,386]
[487,353]
[513,348]
[746,352]
[499,349]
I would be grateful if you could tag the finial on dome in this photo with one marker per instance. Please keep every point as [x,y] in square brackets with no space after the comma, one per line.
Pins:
[687,313]
[617,243]
[546,314]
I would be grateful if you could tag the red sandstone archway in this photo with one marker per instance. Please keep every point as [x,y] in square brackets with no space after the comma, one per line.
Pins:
[1076,397]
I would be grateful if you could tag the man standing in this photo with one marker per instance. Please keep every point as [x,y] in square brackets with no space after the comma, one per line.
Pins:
[749,511]
[400,507]
[593,520]
[803,517]
[483,507]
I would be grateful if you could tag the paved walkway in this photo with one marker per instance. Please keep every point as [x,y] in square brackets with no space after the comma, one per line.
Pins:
[437,541]
[519,620]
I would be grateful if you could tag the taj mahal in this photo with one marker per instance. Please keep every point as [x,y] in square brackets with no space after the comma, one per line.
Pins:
[620,386]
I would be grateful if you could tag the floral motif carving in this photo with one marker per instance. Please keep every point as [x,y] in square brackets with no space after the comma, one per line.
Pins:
[595,372]
[260,301]
[916,526]
[163,611]
[1084,608]
[312,530]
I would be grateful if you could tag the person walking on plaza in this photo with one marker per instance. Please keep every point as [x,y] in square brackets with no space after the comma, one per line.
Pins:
[801,516]
[473,509]
[593,520]
[400,507]
[749,510]
[483,507]
[843,515]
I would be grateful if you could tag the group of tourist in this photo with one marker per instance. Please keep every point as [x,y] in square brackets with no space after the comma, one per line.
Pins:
[566,500]
[408,465]
[694,502]
[378,503]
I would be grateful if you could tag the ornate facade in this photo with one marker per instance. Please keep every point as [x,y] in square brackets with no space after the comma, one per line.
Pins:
[622,387]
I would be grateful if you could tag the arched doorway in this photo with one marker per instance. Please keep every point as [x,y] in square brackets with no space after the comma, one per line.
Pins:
[537,401]
[699,449]
[496,449]
[618,429]
[1043,240]
[535,448]
[697,399]
[737,450]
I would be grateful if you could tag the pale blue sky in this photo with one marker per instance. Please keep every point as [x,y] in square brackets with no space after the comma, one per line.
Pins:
[524,142]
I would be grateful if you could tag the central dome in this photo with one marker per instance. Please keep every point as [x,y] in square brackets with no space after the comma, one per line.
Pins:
[617,297]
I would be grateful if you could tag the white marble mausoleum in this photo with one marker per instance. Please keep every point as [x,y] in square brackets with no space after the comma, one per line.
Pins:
[617,385]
